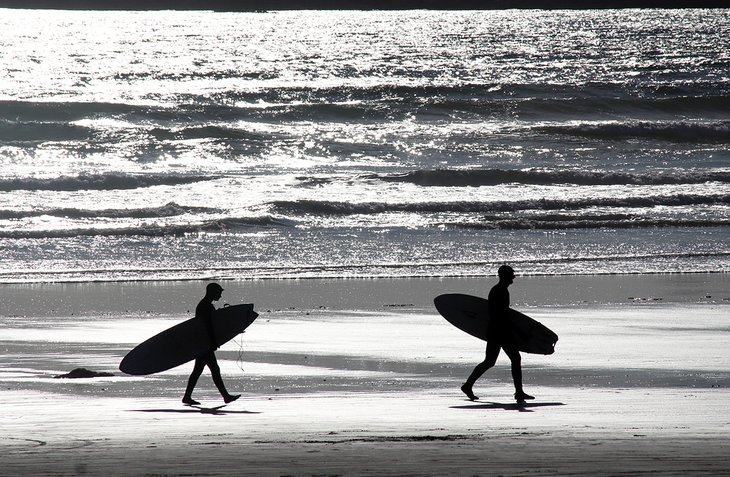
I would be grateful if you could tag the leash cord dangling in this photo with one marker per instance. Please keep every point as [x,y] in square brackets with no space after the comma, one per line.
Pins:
[239,360]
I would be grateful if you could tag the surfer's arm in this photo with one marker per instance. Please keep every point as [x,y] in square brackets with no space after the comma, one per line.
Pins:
[207,317]
[208,320]
[204,311]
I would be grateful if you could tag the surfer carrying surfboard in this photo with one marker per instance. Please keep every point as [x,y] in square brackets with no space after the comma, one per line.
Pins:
[499,337]
[204,311]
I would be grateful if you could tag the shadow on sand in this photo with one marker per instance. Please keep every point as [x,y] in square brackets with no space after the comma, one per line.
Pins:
[514,406]
[218,410]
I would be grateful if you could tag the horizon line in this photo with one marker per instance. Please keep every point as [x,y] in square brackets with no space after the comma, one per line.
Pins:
[276,5]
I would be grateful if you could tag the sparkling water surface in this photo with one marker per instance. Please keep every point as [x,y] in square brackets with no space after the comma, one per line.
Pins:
[147,145]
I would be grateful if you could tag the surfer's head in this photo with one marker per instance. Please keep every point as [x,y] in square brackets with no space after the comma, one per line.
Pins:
[506,274]
[214,290]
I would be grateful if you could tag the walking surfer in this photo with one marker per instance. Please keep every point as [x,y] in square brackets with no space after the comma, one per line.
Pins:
[204,311]
[499,336]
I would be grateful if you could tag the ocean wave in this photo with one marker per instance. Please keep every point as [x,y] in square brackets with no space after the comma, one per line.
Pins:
[512,100]
[33,120]
[192,75]
[170,209]
[603,106]
[483,99]
[709,94]
[666,131]
[19,132]
[150,230]
[205,132]
[487,177]
[107,181]
[60,111]
[566,222]
[317,207]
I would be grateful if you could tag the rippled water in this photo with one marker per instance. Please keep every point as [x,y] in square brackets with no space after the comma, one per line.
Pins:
[307,144]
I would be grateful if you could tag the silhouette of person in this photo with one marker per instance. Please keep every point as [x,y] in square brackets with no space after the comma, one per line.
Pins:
[499,336]
[204,311]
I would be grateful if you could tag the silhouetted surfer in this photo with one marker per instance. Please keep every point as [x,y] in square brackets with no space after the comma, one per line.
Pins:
[205,311]
[499,336]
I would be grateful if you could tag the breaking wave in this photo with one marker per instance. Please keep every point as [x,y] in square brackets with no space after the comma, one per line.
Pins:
[11,132]
[50,120]
[149,230]
[170,209]
[669,131]
[317,207]
[590,222]
[107,181]
[205,132]
[486,177]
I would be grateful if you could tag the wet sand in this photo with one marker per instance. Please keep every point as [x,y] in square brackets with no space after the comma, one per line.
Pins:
[639,383]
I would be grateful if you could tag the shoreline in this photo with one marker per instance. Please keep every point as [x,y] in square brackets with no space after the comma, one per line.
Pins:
[372,294]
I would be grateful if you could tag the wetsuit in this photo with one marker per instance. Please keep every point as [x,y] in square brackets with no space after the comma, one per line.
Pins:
[204,311]
[499,328]
[499,336]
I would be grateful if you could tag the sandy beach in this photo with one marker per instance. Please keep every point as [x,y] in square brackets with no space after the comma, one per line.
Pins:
[361,377]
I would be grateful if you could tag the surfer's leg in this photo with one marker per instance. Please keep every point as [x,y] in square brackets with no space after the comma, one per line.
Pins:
[193,380]
[516,361]
[490,359]
[215,371]
[513,353]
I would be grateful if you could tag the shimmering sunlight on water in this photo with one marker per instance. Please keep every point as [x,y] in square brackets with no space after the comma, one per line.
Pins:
[192,144]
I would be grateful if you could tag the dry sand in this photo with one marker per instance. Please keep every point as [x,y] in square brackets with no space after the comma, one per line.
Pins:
[363,380]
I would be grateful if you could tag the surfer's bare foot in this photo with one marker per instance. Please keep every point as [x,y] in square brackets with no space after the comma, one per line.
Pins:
[466,389]
[523,396]
[231,398]
[190,401]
